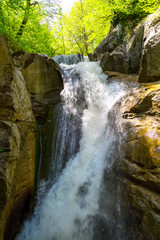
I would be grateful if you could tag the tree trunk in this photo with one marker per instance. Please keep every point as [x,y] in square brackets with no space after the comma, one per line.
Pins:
[25,18]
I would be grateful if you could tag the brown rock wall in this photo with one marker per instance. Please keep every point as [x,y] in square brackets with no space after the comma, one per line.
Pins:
[141,162]
[29,85]
[150,62]
[133,52]
[44,82]
[17,146]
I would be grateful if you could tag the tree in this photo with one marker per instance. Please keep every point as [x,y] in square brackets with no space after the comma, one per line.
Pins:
[29,4]
[86,25]
[39,26]
[28,23]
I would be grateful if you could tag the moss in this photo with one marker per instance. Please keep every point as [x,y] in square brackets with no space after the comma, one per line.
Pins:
[151,226]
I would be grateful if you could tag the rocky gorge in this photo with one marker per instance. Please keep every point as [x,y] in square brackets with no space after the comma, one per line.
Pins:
[30,85]
[138,55]
[25,100]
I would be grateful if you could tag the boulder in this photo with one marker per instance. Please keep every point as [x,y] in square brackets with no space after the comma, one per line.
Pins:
[115,61]
[44,82]
[150,62]
[140,165]
[110,42]
[120,51]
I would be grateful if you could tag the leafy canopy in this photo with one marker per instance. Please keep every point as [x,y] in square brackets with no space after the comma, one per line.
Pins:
[27,24]
[84,26]
[39,26]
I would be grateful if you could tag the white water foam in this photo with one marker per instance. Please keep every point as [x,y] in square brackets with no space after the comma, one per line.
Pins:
[67,210]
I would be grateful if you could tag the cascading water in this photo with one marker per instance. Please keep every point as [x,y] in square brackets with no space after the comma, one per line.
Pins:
[74,208]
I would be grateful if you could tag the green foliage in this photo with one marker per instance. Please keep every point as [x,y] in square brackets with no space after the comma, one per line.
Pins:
[42,28]
[39,26]
[131,12]
[84,27]
[34,19]
[89,21]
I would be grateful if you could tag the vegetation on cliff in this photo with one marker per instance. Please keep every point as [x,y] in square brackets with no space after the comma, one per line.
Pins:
[41,26]
[131,12]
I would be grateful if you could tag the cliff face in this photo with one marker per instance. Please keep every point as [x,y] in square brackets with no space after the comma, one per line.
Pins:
[136,53]
[150,61]
[23,97]
[120,53]
[140,165]
[17,145]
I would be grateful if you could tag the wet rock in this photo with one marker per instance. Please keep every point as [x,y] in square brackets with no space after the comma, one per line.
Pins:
[29,85]
[141,161]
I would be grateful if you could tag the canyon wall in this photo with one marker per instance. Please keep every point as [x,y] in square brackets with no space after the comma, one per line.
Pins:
[140,165]
[138,54]
[30,84]
[133,52]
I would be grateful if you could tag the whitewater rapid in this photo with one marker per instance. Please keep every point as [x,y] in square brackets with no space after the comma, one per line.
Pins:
[72,204]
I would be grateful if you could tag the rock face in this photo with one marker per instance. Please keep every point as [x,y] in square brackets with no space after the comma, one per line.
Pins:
[44,82]
[30,85]
[150,63]
[141,162]
[139,52]
[17,146]
[120,53]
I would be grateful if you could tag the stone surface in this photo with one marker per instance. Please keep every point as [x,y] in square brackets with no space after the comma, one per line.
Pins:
[120,51]
[150,63]
[110,42]
[30,84]
[115,61]
[140,165]
[17,146]
[44,82]
[136,52]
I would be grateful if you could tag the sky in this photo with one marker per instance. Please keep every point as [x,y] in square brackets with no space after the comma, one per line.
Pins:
[67,4]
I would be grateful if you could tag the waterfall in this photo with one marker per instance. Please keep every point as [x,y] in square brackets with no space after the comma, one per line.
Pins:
[74,207]
[68,59]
